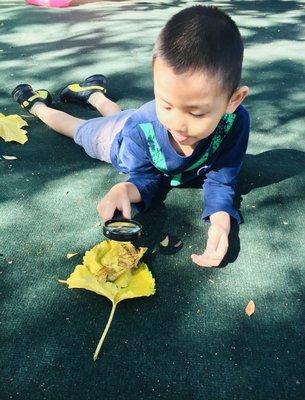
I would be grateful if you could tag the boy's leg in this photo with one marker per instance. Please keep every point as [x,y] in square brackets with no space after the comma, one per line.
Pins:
[59,121]
[37,102]
[105,106]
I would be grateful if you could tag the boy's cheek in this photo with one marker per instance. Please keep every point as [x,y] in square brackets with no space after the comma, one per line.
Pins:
[202,128]
[158,111]
[162,117]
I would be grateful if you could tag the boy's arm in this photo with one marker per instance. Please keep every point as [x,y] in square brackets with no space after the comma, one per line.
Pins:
[142,185]
[217,243]
[220,180]
[219,191]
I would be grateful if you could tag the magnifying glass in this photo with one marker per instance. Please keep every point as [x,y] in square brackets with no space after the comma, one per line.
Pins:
[128,230]
[122,229]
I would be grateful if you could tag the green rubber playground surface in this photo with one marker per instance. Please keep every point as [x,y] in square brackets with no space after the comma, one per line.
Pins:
[192,339]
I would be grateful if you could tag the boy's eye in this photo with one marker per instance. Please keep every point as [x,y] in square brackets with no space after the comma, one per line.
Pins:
[197,115]
[167,107]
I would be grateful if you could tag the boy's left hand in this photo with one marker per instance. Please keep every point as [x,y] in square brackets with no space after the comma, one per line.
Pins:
[216,248]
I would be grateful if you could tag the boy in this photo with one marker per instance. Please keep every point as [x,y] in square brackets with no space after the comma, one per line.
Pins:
[196,125]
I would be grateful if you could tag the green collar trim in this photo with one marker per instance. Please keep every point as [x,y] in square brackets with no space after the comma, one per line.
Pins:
[157,155]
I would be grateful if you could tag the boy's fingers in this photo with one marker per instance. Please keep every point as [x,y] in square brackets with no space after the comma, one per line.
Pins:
[222,246]
[213,240]
[204,260]
[106,211]
[126,210]
[219,254]
[212,258]
[212,243]
[99,210]
[217,245]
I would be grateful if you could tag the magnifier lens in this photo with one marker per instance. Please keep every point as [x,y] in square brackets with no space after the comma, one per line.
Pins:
[122,230]
[121,227]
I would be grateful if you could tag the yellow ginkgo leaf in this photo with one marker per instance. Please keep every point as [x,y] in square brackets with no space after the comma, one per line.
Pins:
[141,283]
[10,128]
[108,259]
[82,278]
[136,283]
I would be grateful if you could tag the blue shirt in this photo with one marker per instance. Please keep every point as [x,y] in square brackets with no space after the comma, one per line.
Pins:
[131,153]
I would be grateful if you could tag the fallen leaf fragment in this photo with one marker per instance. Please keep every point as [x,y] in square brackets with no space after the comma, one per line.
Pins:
[112,269]
[10,128]
[170,244]
[165,241]
[9,157]
[250,308]
[70,255]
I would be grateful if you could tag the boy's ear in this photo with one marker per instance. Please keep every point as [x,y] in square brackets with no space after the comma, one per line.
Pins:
[237,98]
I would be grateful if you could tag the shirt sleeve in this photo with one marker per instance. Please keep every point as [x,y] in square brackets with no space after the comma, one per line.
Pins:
[220,181]
[142,173]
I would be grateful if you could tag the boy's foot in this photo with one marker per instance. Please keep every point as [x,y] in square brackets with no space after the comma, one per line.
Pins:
[80,92]
[27,97]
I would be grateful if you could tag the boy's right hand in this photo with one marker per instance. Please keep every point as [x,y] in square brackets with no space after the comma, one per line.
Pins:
[119,198]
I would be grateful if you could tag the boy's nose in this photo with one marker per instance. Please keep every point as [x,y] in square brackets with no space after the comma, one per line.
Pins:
[180,129]
[178,124]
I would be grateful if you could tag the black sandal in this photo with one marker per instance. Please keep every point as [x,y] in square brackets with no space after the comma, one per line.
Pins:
[26,96]
[80,92]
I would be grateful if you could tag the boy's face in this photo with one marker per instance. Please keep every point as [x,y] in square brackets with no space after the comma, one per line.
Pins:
[189,105]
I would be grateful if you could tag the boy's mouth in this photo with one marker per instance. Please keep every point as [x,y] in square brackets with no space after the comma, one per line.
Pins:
[178,137]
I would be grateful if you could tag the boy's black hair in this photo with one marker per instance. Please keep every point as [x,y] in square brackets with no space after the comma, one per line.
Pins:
[202,38]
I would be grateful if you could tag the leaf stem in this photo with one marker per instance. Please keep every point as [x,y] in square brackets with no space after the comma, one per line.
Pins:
[98,348]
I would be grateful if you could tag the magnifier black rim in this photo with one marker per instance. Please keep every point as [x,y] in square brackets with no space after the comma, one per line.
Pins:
[123,237]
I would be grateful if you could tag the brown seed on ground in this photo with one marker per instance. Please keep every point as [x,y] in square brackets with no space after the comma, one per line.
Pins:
[250,308]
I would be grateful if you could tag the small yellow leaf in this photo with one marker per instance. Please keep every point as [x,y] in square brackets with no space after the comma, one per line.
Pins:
[10,128]
[70,255]
[250,308]
[109,259]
